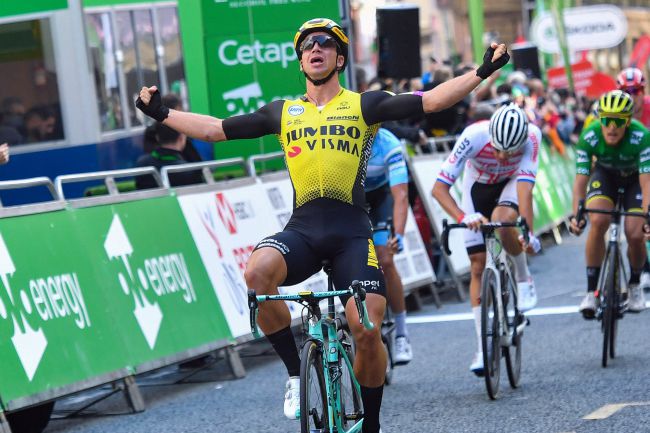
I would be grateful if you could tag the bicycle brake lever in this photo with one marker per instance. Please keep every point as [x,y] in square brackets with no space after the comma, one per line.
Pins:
[253,307]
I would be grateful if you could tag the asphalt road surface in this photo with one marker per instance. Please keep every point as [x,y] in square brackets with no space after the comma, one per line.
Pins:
[563,386]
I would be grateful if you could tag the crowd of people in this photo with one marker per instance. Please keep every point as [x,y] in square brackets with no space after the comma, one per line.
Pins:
[559,113]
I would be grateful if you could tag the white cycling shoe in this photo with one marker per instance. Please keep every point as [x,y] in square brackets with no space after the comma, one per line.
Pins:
[645,280]
[637,299]
[403,352]
[477,366]
[292,398]
[588,306]
[527,295]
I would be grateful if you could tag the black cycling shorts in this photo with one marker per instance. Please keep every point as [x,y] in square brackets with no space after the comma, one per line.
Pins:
[604,183]
[327,229]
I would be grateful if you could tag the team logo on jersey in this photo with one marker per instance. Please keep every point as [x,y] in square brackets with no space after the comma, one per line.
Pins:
[296,110]
[345,105]
[636,137]
[581,156]
[294,151]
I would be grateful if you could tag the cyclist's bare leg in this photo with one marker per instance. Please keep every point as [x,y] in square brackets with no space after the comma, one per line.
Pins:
[599,223]
[265,271]
[509,236]
[636,251]
[477,265]
[370,357]
[394,288]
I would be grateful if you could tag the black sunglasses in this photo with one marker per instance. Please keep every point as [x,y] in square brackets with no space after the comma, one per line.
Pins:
[324,41]
[633,90]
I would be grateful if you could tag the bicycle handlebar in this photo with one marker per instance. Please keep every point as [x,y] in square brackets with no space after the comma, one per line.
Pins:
[582,210]
[355,289]
[485,228]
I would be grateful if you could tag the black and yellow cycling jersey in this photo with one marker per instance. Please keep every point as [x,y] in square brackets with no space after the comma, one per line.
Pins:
[326,148]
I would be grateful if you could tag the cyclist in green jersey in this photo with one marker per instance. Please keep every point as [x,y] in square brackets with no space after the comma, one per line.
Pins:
[620,146]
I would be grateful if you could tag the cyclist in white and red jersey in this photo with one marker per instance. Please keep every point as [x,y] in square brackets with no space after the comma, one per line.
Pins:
[501,160]
[632,82]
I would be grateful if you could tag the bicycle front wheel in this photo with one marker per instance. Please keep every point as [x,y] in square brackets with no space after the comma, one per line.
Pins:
[313,392]
[610,306]
[490,338]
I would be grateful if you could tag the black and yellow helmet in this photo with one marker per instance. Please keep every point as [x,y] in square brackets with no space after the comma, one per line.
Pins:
[323,25]
[616,102]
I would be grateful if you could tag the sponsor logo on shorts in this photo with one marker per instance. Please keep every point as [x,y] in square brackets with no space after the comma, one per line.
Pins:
[595,184]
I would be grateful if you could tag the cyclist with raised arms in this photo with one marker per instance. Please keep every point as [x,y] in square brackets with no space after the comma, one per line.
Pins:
[501,159]
[326,136]
[621,146]
[387,196]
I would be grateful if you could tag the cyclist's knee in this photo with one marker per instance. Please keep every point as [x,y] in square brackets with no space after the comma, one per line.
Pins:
[265,270]
[366,340]
[599,223]
[504,214]
[634,235]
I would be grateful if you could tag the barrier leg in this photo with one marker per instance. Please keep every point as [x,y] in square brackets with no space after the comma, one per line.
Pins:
[433,288]
[413,301]
[132,394]
[4,424]
[234,361]
[557,235]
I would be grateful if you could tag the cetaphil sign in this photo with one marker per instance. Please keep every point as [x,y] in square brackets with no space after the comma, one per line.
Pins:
[587,28]
[232,52]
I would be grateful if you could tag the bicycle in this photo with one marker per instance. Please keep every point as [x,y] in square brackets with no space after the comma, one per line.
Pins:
[502,324]
[330,395]
[611,290]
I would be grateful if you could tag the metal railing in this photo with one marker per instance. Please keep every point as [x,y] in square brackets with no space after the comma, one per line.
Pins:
[108,177]
[206,168]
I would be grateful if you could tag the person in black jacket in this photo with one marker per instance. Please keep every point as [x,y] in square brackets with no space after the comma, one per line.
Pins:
[190,154]
[168,152]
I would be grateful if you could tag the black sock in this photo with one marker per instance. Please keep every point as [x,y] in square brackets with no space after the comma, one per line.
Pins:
[635,276]
[285,346]
[593,272]
[646,266]
[371,398]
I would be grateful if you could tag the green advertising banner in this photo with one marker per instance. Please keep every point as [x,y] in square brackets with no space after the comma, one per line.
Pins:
[552,195]
[87,292]
[248,55]
[17,7]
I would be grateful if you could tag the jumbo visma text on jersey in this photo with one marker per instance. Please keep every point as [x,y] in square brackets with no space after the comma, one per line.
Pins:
[327,149]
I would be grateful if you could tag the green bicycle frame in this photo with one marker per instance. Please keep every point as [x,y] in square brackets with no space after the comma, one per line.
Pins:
[324,332]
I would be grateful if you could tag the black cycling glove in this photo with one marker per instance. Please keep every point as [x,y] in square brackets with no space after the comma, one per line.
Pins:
[155,109]
[488,67]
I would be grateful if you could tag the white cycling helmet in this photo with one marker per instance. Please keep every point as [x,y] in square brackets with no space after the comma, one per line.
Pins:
[509,128]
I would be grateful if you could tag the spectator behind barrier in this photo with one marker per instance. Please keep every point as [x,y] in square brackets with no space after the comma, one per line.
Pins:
[168,152]
[190,154]
[40,125]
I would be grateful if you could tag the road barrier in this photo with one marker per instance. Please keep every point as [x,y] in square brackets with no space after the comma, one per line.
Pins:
[99,289]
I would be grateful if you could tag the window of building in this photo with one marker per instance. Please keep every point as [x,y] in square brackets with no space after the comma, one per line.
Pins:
[30,110]
[132,48]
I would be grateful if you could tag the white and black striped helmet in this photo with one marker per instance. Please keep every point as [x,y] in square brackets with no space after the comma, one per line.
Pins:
[508,128]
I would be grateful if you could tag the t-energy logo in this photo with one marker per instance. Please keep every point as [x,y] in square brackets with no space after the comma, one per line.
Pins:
[157,277]
[50,298]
